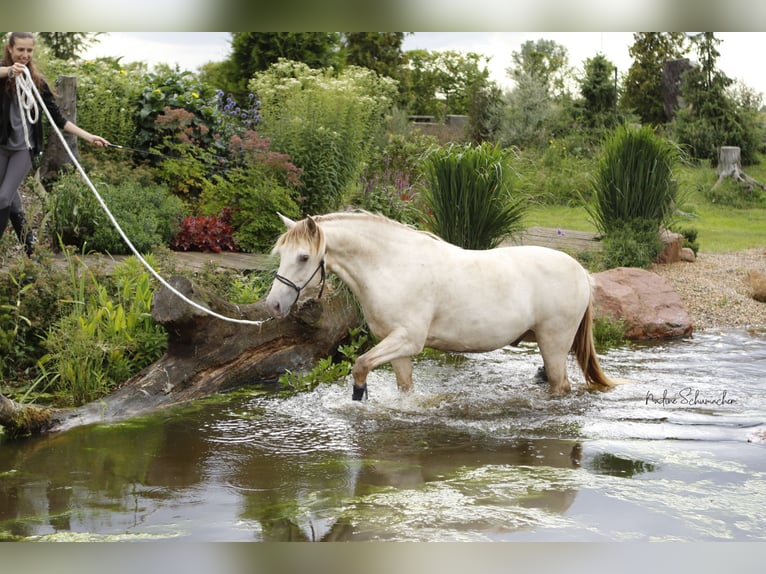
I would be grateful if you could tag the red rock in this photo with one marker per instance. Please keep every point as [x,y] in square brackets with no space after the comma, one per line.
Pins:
[650,306]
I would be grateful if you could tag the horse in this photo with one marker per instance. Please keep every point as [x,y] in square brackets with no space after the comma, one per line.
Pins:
[417,290]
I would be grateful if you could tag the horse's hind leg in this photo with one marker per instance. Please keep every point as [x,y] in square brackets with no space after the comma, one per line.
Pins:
[403,370]
[555,350]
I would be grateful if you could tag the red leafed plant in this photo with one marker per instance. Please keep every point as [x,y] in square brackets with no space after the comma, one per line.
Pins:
[206,233]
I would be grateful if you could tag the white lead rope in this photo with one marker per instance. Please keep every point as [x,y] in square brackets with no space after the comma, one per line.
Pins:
[27,87]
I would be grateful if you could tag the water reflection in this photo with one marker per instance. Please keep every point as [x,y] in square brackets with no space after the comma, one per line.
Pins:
[478,452]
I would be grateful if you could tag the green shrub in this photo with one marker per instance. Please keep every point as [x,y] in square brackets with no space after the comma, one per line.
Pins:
[148,214]
[634,180]
[107,99]
[106,336]
[635,244]
[469,195]
[325,122]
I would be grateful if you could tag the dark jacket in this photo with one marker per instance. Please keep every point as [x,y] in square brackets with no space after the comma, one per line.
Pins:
[37,128]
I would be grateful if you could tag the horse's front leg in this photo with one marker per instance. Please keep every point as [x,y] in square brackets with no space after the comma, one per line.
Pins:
[396,348]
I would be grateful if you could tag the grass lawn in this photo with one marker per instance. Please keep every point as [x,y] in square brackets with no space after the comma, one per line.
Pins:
[720,228]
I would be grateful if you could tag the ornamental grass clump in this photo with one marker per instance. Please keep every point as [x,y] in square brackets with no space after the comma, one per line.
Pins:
[634,180]
[469,196]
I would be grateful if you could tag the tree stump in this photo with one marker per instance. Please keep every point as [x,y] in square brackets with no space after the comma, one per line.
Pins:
[729,166]
[206,355]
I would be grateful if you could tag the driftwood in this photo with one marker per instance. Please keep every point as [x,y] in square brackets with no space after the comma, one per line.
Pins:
[205,355]
[729,166]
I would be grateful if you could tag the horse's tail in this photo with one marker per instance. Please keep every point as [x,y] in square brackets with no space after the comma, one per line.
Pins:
[585,351]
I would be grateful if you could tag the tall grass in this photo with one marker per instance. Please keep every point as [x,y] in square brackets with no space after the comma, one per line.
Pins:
[634,180]
[469,195]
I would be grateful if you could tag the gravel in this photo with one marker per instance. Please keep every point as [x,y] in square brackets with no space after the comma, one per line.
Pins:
[715,290]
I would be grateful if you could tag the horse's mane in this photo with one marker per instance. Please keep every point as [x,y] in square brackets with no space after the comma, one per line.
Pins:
[361,214]
[304,232]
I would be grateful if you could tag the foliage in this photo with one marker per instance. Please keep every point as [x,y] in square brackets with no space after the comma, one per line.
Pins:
[469,195]
[148,214]
[106,336]
[260,183]
[167,89]
[68,45]
[546,61]
[633,243]
[327,124]
[391,182]
[380,52]
[208,233]
[599,91]
[713,116]
[558,174]
[255,52]
[529,108]
[440,83]
[643,84]
[608,333]
[329,369]
[634,180]
[106,100]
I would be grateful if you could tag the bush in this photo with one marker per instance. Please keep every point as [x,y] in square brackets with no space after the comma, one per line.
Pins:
[148,214]
[634,244]
[107,335]
[327,124]
[391,183]
[634,180]
[469,197]
[207,233]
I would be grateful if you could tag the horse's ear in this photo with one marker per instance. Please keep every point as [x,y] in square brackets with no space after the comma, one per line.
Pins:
[289,223]
[312,225]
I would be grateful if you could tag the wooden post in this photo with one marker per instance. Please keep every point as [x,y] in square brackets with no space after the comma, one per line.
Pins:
[55,156]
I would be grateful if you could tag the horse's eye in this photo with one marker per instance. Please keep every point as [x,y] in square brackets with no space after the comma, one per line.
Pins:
[303,257]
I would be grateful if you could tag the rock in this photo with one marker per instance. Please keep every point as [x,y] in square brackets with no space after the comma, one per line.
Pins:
[673,243]
[687,254]
[648,303]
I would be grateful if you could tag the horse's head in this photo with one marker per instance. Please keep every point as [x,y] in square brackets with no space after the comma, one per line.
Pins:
[301,251]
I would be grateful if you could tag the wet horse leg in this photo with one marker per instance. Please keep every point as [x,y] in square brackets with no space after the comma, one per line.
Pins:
[403,370]
[554,348]
[396,348]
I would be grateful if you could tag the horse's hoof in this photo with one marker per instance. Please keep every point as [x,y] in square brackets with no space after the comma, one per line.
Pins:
[359,393]
[540,377]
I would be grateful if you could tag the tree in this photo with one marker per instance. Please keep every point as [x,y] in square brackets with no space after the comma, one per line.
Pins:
[713,116]
[253,52]
[599,91]
[437,83]
[643,84]
[544,60]
[380,52]
[68,45]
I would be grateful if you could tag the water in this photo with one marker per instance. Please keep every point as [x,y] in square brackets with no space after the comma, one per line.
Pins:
[479,452]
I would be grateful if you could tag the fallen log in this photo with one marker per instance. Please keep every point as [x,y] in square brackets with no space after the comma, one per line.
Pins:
[206,355]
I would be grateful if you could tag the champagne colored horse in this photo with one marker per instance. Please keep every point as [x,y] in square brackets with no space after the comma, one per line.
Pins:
[418,291]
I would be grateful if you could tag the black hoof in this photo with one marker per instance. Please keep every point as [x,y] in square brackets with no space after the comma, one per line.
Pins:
[540,377]
[359,393]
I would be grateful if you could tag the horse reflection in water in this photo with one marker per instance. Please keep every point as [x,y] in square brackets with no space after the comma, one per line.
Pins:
[418,291]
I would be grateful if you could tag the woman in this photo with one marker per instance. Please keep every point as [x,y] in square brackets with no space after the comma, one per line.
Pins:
[21,140]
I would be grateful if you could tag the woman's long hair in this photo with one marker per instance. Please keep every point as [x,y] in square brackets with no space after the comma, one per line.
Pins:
[37,78]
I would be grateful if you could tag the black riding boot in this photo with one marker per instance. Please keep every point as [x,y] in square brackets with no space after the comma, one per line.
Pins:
[4,214]
[23,232]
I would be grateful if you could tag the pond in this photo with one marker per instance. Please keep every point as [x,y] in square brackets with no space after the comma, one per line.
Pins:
[478,452]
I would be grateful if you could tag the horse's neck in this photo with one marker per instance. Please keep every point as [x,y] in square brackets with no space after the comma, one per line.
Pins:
[356,249]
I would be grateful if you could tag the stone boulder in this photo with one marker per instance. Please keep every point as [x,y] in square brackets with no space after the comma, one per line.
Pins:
[648,303]
[672,243]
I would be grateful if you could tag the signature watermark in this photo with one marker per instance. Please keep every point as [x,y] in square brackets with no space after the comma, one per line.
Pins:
[689,396]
